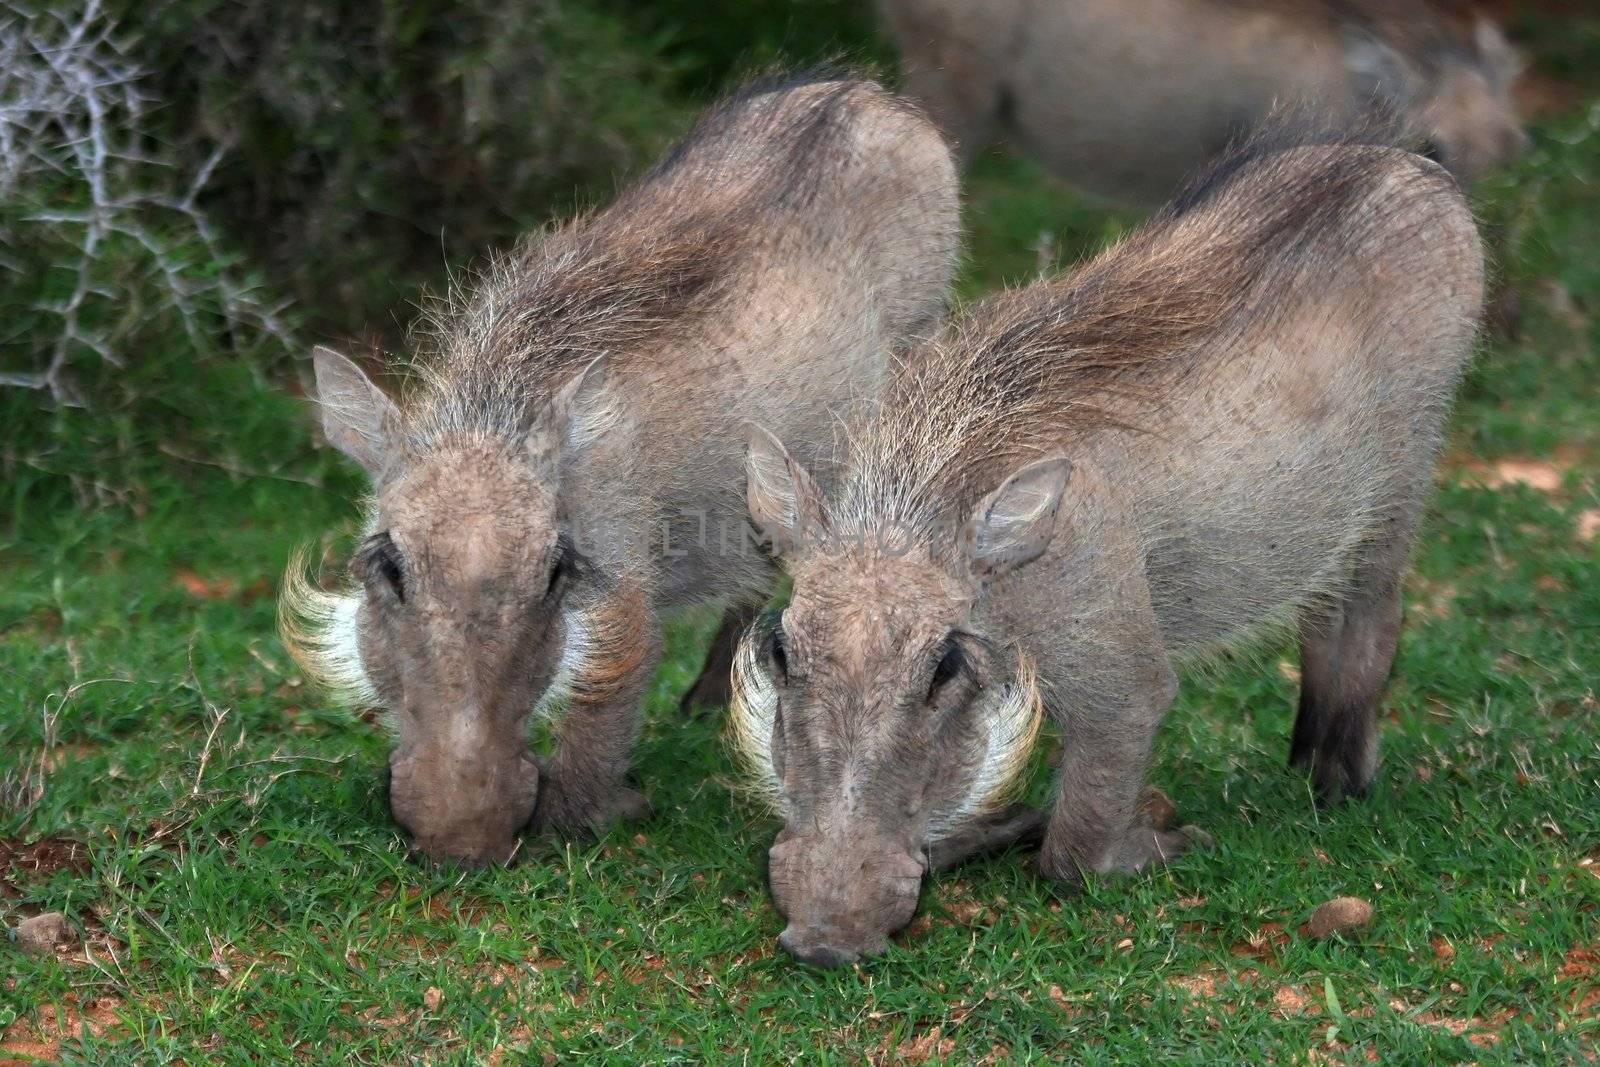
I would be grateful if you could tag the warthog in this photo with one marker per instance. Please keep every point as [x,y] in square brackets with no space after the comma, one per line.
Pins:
[1125,97]
[570,464]
[1226,422]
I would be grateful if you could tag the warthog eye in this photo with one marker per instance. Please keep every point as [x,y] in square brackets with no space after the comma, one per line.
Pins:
[562,566]
[777,649]
[951,663]
[565,568]
[379,560]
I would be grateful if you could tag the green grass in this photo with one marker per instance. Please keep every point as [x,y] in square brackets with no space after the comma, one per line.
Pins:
[245,896]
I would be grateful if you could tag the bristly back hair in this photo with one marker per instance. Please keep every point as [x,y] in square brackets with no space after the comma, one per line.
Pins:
[627,280]
[1287,127]
[1098,348]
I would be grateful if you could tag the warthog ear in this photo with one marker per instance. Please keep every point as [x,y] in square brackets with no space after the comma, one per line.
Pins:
[1381,72]
[578,413]
[1014,524]
[1504,61]
[356,415]
[784,502]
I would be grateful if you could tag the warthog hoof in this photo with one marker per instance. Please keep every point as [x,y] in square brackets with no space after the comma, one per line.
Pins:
[1142,848]
[1147,847]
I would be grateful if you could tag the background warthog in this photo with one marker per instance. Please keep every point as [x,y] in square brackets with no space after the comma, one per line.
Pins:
[1226,421]
[1125,97]
[569,465]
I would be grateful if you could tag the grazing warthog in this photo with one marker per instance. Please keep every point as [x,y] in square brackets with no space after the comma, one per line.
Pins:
[1226,422]
[570,464]
[1125,97]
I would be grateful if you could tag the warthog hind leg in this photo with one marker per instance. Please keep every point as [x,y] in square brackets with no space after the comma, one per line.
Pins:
[1346,651]
[714,688]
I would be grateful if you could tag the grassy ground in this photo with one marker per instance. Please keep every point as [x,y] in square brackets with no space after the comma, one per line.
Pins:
[218,835]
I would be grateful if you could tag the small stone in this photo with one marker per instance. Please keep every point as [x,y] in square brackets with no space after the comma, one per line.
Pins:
[432,998]
[1341,915]
[1157,808]
[43,934]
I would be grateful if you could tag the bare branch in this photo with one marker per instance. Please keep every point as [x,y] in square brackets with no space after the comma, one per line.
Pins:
[76,179]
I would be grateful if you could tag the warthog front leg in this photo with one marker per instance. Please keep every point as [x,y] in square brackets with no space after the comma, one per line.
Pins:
[1097,824]
[1113,684]
[584,785]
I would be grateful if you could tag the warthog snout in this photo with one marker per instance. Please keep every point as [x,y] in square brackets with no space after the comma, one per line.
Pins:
[466,806]
[843,896]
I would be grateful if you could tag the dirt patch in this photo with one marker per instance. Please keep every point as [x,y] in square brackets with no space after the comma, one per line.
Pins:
[1580,971]
[954,906]
[201,587]
[1543,475]
[1588,524]
[1203,984]
[925,1046]
[1483,1031]
[24,864]
[1263,944]
[1291,1000]
[21,864]
[1429,598]
[40,1038]
[41,622]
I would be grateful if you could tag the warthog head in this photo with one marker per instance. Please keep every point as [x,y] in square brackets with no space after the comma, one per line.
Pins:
[874,711]
[467,608]
[1453,84]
